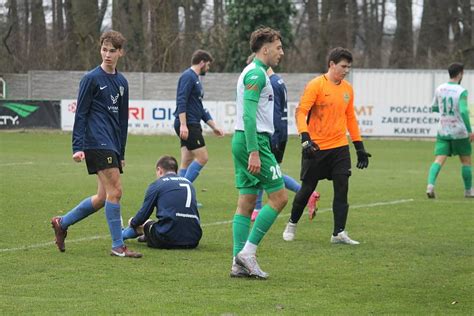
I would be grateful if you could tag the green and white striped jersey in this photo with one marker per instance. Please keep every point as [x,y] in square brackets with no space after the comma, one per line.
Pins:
[254,84]
[447,102]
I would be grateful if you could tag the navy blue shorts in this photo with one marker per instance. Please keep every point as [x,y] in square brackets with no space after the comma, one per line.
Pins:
[155,240]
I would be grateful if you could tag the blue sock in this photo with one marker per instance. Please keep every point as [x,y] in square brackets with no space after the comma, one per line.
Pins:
[81,211]
[182,172]
[112,213]
[193,171]
[291,184]
[129,233]
[258,205]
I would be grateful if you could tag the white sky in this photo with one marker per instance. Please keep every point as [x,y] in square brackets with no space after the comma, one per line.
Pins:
[390,20]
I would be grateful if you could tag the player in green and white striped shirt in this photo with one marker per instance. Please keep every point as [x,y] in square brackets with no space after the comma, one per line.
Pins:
[255,165]
[454,131]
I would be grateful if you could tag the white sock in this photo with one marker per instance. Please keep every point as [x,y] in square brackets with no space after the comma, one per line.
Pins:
[249,248]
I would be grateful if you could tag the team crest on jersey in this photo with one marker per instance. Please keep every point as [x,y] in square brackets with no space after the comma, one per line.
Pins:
[114,100]
[270,97]
[346,97]
[122,90]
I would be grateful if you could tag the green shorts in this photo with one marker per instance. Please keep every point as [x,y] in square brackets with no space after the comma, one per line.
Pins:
[270,177]
[453,147]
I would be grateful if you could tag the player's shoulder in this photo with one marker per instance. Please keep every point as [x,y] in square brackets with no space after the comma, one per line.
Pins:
[346,84]
[255,73]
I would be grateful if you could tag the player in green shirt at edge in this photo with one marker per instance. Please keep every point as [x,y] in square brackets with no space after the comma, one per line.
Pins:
[255,165]
[454,130]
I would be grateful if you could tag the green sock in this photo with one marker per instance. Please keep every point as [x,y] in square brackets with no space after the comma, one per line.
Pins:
[264,221]
[434,170]
[466,172]
[240,232]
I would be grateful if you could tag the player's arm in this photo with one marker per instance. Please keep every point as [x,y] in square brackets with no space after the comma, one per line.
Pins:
[307,101]
[254,82]
[185,87]
[123,117]
[207,118]
[352,125]
[464,111]
[278,99]
[362,155]
[84,101]
[147,208]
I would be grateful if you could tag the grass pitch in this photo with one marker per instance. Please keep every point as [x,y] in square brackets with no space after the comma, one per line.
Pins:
[415,257]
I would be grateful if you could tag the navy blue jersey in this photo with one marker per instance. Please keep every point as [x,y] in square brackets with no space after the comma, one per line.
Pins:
[280,110]
[174,199]
[101,120]
[189,97]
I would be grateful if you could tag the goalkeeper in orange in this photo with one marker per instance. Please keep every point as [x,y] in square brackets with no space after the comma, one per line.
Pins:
[323,117]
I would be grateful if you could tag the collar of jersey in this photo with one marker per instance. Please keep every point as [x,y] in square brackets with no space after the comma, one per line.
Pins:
[260,63]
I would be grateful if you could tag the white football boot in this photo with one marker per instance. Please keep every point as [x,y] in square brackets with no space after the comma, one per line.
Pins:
[289,232]
[343,238]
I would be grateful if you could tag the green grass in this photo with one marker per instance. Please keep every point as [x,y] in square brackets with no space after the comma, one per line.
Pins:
[415,257]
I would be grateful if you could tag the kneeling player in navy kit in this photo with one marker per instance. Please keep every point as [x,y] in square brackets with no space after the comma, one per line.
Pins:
[174,197]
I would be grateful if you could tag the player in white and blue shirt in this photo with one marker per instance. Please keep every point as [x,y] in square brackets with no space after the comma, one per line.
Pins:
[174,199]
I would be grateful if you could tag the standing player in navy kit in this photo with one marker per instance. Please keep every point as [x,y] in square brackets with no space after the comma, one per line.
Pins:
[174,198]
[99,136]
[189,113]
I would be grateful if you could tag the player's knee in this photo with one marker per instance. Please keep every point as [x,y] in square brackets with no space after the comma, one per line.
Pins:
[115,194]
[279,200]
[202,159]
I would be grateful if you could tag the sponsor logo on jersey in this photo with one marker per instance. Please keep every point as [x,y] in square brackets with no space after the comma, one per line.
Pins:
[114,99]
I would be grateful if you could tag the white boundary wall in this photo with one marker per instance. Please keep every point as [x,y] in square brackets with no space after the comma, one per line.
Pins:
[391,103]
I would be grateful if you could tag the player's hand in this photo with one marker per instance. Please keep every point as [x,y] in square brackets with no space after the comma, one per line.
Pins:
[309,148]
[78,156]
[183,132]
[471,137]
[219,132]
[254,163]
[123,163]
[362,155]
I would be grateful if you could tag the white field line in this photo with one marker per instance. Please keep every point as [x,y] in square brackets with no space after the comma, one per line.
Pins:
[8,164]
[48,244]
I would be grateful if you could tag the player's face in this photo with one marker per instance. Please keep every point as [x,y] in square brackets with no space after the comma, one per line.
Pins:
[274,53]
[205,67]
[110,55]
[341,69]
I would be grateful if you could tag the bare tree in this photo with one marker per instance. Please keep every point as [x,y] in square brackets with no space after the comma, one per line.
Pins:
[127,18]
[373,17]
[164,35]
[402,47]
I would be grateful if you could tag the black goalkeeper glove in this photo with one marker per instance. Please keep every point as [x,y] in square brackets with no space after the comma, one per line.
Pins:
[362,155]
[309,147]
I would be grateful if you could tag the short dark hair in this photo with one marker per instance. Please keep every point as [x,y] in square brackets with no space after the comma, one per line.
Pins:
[339,53]
[115,38]
[455,69]
[167,163]
[201,55]
[261,36]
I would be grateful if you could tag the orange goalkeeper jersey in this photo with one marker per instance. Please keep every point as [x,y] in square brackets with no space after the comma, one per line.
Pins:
[326,112]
